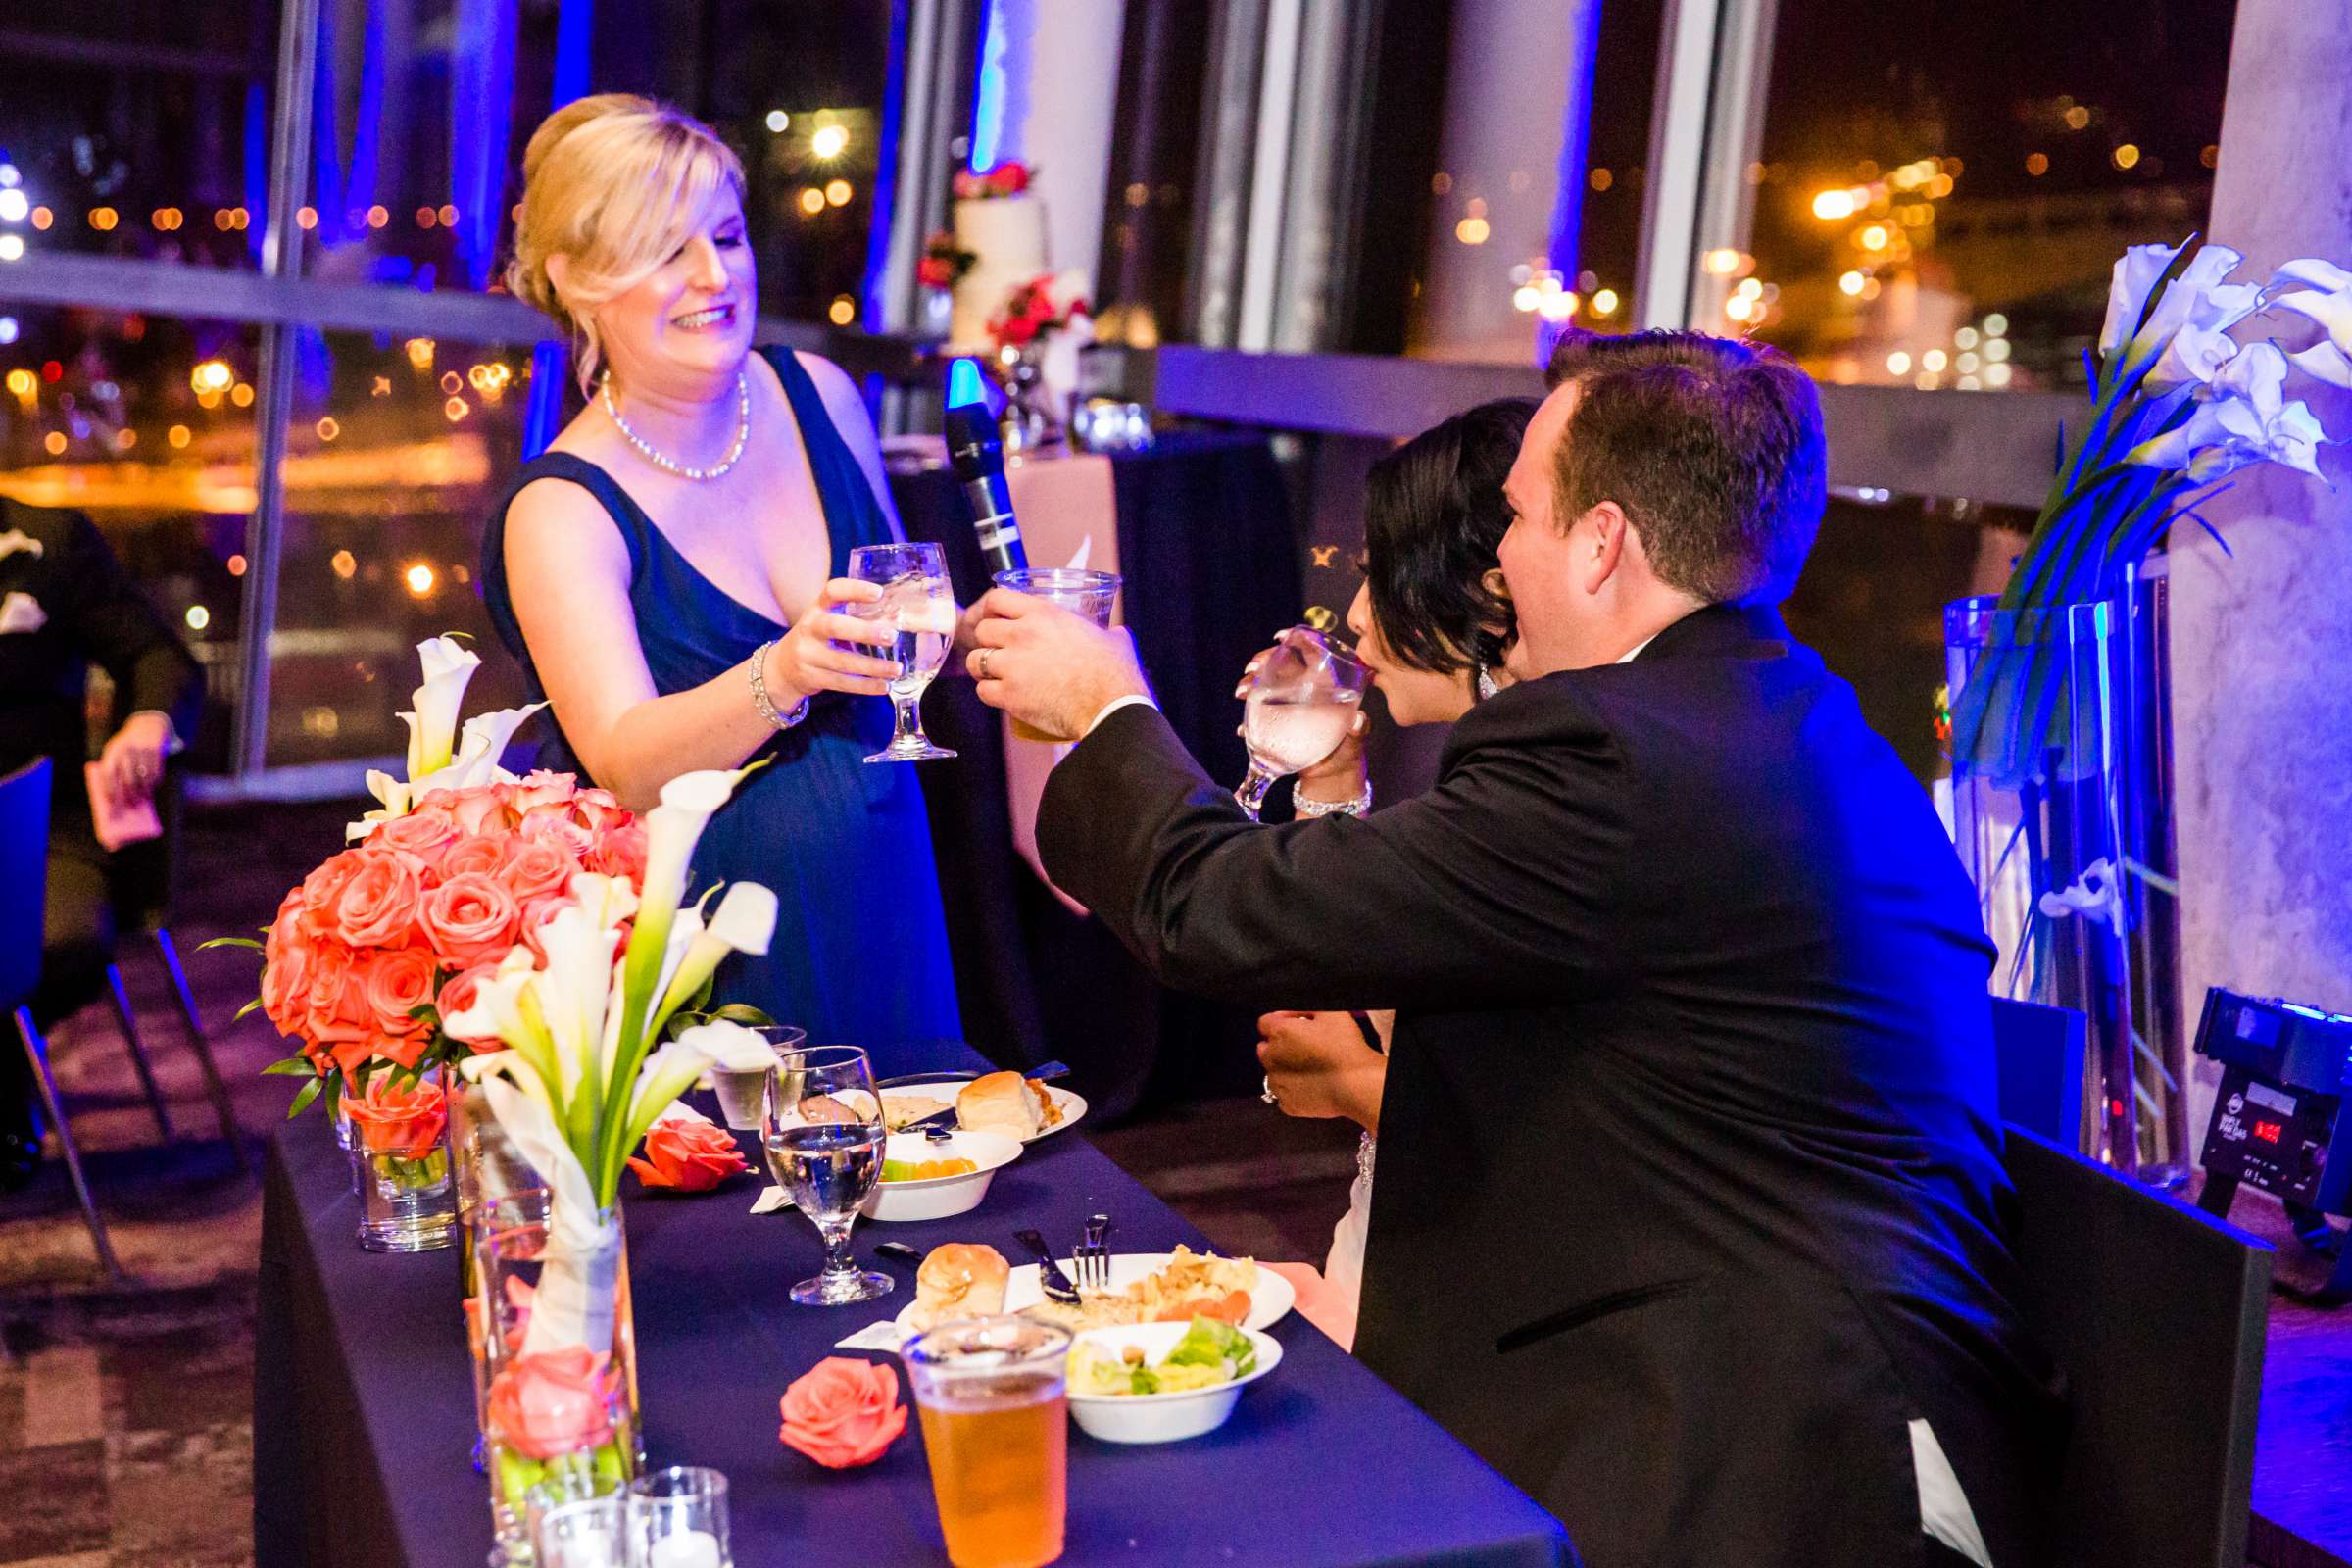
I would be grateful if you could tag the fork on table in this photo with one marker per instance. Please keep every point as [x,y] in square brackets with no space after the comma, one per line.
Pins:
[1091,1258]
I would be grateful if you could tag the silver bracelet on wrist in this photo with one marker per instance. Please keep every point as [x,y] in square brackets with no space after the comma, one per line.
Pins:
[767,704]
[1361,805]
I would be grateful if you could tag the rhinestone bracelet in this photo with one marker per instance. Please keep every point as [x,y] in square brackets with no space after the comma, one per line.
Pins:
[1361,805]
[765,704]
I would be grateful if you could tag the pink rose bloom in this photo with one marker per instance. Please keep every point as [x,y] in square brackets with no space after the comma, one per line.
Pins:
[597,809]
[480,810]
[844,1412]
[378,907]
[620,851]
[540,787]
[535,867]
[468,919]
[402,1051]
[403,1122]
[397,982]
[426,833]
[478,855]
[553,1404]
[692,1157]
[336,1010]
[287,960]
[324,888]
[555,823]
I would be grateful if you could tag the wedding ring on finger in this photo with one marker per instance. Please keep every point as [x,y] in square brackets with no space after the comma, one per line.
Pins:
[984,652]
[1266,1092]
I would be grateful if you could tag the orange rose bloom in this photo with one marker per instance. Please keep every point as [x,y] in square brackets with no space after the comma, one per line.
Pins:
[844,1412]
[693,1157]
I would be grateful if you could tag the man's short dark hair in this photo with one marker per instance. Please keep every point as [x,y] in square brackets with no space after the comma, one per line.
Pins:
[1711,446]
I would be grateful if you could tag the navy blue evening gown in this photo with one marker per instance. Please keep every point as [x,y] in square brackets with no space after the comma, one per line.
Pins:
[860,950]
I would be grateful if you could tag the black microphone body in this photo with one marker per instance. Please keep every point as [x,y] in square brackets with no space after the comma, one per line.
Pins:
[976,453]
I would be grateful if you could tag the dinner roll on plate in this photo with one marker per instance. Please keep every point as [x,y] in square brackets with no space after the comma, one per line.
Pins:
[960,1279]
[1001,1103]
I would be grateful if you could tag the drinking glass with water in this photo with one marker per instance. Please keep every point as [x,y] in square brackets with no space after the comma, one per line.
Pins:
[822,1127]
[919,600]
[1296,709]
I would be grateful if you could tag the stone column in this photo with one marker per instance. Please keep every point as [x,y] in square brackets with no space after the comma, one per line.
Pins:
[2262,641]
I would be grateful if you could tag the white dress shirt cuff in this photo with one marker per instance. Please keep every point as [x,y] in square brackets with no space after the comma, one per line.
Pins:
[1113,705]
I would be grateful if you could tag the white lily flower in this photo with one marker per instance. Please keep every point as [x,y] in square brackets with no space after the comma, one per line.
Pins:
[480,748]
[2199,297]
[2193,356]
[448,665]
[573,990]
[745,921]
[2311,272]
[2324,360]
[2247,420]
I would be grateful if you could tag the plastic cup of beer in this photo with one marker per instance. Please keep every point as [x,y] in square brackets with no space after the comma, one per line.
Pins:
[995,1409]
[1091,593]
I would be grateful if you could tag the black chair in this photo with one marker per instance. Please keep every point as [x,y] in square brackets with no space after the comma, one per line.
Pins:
[24,873]
[2155,1312]
[142,881]
[2038,1057]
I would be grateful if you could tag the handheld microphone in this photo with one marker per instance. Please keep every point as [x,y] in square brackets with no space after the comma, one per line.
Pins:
[977,455]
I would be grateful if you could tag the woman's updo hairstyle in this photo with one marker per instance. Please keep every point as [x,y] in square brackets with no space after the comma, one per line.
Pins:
[1434,518]
[614,183]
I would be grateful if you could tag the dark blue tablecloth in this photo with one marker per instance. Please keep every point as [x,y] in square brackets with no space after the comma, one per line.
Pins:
[363,1406]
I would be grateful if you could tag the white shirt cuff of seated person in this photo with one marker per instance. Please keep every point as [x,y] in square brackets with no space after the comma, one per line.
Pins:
[1113,705]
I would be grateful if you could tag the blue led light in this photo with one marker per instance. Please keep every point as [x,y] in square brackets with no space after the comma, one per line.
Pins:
[963,383]
[988,95]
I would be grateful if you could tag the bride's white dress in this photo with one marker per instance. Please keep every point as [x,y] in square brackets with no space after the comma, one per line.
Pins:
[1344,1269]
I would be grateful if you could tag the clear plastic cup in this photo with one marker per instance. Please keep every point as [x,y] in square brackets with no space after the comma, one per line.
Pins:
[994,1407]
[1092,593]
[740,1093]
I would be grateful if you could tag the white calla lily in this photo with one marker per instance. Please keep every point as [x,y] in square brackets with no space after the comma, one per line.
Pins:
[479,749]
[2199,297]
[745,921]
[2247,420]
[433,724]
[2324,360]
[2195,356]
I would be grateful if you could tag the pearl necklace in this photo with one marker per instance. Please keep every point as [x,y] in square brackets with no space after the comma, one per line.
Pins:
[743,432]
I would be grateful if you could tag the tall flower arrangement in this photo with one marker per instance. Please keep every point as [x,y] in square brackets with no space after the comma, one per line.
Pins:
[2179,407]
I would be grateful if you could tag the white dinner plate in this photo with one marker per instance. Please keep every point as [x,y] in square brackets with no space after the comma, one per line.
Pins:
[1270,1299]
[1072,1106]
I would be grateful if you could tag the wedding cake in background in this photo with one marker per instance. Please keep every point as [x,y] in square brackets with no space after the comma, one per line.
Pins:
[1006,235]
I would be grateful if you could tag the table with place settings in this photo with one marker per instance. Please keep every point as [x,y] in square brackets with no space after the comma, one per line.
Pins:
[363,1406]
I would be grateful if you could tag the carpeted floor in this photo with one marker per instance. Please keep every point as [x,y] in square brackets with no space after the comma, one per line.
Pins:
[126,1411]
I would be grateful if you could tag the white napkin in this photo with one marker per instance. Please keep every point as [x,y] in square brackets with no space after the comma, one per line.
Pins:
[20,612]
[882,1336]
[774,1199]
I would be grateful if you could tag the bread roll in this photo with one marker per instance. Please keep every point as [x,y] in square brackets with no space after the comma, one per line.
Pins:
[999,1103]
[961,1279]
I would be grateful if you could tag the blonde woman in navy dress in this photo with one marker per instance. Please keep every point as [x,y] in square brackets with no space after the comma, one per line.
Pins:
[664,570]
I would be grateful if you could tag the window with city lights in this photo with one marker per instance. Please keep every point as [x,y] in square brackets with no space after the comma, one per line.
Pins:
[1939,206]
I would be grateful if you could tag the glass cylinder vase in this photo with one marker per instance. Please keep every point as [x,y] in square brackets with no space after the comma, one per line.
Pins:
[401,1164]
[2061,812]
[559,1358]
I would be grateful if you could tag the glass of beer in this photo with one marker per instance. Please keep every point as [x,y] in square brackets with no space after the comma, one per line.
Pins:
[994,1409]
[1091,593]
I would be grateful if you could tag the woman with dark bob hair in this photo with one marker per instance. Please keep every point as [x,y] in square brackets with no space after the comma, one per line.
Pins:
[1430,623]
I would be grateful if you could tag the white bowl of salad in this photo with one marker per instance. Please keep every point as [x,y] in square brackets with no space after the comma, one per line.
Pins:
[1165,1382]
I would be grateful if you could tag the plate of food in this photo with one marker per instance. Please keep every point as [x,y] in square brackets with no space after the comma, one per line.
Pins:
[965,1280]
[1165,1382]
[998,1102]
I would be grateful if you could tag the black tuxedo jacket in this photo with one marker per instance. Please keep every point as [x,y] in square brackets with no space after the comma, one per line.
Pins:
[90,612]
[1689,1197]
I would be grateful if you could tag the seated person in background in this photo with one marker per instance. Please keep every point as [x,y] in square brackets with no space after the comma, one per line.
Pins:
[66,604]
[1431,624]
[1690,1216]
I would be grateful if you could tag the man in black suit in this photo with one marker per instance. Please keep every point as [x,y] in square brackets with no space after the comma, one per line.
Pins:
[65,603]
[1689,1215]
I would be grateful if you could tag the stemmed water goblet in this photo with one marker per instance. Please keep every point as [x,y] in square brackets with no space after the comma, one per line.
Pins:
[1296,709]
[822,1129]
[920,601]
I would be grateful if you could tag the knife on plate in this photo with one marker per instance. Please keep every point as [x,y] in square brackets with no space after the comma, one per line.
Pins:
[1055,1283]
